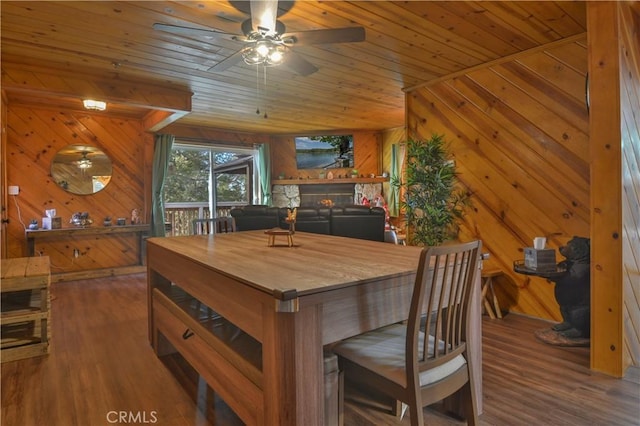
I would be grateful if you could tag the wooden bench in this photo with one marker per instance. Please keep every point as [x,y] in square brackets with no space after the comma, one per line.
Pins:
[26,305]
[487,286]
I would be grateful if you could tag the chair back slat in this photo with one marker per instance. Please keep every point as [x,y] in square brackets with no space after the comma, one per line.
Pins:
[437,324]
[218,225]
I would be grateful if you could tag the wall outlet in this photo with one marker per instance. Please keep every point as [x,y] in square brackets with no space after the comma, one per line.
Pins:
[14,190]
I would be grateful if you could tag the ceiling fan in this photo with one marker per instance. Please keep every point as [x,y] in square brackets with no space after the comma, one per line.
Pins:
[84,162]
[265,39]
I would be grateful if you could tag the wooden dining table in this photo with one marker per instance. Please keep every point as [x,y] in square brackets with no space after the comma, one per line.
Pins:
[292,300]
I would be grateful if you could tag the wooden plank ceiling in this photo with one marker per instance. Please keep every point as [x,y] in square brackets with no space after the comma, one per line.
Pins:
[357,86]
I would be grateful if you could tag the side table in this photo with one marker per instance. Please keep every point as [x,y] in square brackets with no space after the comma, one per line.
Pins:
[26,304]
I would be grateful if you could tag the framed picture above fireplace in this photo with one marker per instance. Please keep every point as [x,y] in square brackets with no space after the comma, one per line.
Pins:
[324,152]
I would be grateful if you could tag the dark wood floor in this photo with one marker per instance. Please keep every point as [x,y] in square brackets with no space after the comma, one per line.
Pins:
[101,367]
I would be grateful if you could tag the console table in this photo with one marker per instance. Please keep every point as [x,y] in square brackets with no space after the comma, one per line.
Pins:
[142,231]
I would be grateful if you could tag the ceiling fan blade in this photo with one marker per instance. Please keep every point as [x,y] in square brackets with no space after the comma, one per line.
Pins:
[177,29]
[333,35]
[230,17]
[227,62]
[263,15]
[298,64]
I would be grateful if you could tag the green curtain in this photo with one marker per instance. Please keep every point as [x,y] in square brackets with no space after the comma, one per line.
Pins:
[264,173]
[393,203]
[161,156]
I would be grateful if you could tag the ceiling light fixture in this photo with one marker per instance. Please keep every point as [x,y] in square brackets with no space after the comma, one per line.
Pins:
[94,105]
[265,51]
[84,163]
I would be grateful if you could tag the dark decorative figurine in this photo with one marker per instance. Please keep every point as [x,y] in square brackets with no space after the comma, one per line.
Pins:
[573,289]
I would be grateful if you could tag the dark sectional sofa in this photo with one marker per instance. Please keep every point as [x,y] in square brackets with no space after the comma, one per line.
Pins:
[355,221]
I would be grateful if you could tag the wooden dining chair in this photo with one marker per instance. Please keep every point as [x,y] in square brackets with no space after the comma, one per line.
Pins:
[217,225]
[425,359]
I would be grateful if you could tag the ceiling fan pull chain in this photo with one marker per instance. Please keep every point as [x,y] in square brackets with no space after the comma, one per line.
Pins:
[265,91]
[258,89]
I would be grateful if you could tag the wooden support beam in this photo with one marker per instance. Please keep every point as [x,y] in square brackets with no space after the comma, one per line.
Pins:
[159,104]
[607,337]
[157,120]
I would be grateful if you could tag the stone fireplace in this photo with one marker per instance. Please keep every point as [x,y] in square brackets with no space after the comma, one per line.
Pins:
[339,194]
[310,195]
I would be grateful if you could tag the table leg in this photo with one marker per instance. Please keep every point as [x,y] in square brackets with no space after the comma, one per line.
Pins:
[154,280]
[31,247]
[495,299]
[292,366]
[485,302]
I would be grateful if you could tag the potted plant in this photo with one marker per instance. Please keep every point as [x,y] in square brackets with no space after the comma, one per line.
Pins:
[432,199]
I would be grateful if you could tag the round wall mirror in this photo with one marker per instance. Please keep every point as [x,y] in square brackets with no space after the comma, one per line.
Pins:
[81,169]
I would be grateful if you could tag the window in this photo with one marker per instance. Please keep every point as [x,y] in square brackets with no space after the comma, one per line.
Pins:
[205,179]
[232,175]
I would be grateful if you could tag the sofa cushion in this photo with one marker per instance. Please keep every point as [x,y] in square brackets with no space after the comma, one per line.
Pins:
[255,217]
[358,222]
[309,219]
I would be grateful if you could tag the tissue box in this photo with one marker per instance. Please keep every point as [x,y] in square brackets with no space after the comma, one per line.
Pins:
[540,260]
[51,222]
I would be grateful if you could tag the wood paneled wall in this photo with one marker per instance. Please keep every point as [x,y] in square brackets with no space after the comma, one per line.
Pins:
[366,155]
[519,134]
[629,39]
[34,135]
[3,174]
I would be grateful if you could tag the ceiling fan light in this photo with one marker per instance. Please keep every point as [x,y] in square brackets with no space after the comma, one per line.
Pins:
[276,56]
[85,164]
[252,57]
[263,49]
[94,105]
[264,52]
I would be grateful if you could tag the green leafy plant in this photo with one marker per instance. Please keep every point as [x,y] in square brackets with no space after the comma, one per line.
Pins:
[432,199]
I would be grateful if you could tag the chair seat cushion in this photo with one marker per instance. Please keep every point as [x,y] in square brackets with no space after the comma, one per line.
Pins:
[383,352]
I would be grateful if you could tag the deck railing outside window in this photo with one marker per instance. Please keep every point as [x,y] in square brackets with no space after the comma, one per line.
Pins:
[178,217]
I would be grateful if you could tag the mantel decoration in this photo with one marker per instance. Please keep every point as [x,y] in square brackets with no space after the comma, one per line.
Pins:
[432,200]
